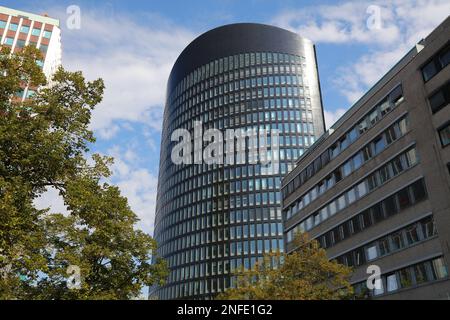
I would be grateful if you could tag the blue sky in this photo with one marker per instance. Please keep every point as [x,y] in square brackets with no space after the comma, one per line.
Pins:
[133,44]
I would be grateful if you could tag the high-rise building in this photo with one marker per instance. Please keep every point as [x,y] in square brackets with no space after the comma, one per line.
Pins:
[375,189]
[214,218]
[19,29]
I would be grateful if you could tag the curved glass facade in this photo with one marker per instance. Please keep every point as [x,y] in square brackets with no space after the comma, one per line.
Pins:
[214,218]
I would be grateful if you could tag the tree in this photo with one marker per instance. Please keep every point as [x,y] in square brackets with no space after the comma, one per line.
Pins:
[44,143]
[305,274]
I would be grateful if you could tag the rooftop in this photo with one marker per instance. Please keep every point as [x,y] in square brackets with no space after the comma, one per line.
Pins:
[28,15]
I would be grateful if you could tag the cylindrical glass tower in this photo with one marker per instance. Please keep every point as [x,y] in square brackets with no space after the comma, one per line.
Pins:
[213,218]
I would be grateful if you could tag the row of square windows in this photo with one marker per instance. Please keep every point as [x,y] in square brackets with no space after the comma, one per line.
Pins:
[248,233]
[205,92]
[232,202]
[411,276]
[175,176]
[387,104]
[168,205]
[209,112]
[211,286]
[235,62]
[184,222]
[388,207]
[21,43]
[399,240]
[388,171]
[225,265]
[25,29]
[368,152]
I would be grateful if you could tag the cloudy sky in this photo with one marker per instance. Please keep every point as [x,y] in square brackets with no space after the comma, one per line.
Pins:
[133,44]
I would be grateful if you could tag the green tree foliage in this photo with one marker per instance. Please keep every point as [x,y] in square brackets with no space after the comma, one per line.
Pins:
[306,274]
[44,144]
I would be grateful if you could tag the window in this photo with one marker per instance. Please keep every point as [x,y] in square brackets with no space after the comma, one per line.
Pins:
[2,24]
[440,98]
[438,62]
[444,134]
[418,189]
[362,189]
[429,70]
[25,29]
[20,43]
[371,252]
[405,278]
[421,273]
[357,161]
[377,213]
[13,26]
[43,48]
[390,207]
[347,169]
[397,241]
[47,34]
[367,219]
[9,41]
[439,268]
[379,145]
[36,32]
[403,199]
[412,235]
[391,282]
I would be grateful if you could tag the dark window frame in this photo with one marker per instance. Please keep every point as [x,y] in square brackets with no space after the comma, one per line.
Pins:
[442,128]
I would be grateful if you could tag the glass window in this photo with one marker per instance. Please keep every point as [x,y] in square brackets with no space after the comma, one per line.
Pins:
[437,101]
[9,41]
[332,208]
[357,161]
[36,32]
[391,282]
[377,213]
[362,189]
[25,29]
[397,241]
[2,24]
[47,34]
[405,278]
[379,145]
[412,235]
[347,168]
[429,70]
[20,43]
[390,206]
[13,26]
[404,199]
[341,202]
[444,57]
[428,227]
[444,134]
[371,252]
[351,196]
[421,273]
[439,268]
[418,189]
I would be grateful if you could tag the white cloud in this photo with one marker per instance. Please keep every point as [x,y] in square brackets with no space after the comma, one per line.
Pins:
[134,60]
[403,24]
[136,183]
[51,200]
[332,116]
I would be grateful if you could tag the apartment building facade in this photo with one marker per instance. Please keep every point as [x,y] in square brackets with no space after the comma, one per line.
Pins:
[375,189]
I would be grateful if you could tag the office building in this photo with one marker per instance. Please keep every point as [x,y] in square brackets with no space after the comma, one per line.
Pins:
[19,29]
[375,189]
[214,218]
